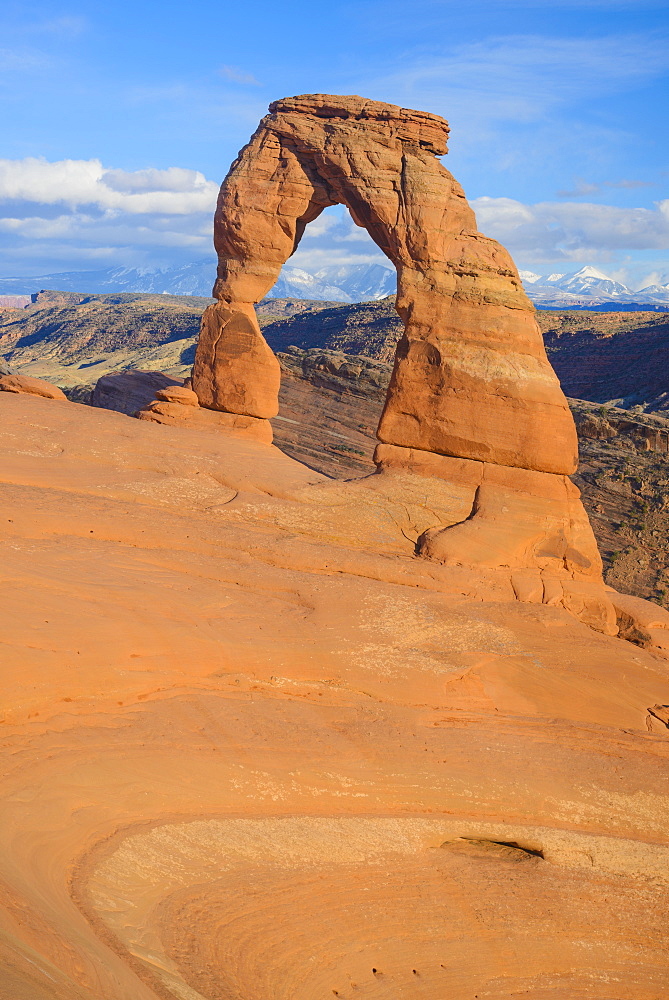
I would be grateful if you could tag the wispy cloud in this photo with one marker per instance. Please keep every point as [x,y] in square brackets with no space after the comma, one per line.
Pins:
[521,77]
[65,26]
[238,76]
[23,60]
[582,188]
[629,184]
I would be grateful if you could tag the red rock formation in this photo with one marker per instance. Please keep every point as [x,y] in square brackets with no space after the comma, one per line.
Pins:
[129,391]
[235,370]
[471,376]
[26,385]
[472,392]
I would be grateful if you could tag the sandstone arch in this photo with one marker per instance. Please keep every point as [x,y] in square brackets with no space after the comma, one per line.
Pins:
[471,375]
[473,399]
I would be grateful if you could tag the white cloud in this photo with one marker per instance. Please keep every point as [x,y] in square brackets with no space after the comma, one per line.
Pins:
[551,231]
[174,191]
[521,77]
[76,211]
[655,277]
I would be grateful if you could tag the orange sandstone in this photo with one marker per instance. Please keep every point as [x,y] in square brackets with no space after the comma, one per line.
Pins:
[25,384]
[471,389]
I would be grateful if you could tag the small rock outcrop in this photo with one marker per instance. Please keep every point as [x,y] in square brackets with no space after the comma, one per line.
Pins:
[26,385]
[131,390]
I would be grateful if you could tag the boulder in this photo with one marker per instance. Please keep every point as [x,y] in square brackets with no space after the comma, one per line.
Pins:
[642,622]
[26,385]
[182,413]
[177,394]
[130,391]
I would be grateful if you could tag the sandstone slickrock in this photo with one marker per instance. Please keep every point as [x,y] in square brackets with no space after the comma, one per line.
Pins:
[266,734]
[129,391]
[252,746]
[159,399]
[182,413]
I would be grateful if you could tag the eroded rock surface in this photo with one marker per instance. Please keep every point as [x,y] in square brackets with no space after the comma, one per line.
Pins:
[129,391]
[270,734]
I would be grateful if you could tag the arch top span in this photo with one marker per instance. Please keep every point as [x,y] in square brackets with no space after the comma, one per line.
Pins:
[418,127]
[318,150]
[471,377]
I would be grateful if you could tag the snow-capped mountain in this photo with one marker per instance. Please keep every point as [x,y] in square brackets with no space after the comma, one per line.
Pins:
[590,279]
[587,281]
[586,288]
[195,278]
[529,277]
[658,292]
[338,283]
[361,282]
[294,283]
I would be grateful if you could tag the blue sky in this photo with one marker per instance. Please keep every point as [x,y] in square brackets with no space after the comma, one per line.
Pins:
[119,121]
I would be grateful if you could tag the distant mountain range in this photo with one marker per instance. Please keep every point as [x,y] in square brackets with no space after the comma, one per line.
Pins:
[343,283]
[587,288]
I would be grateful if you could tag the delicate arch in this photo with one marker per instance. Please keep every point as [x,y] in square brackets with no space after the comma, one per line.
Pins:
[471,377]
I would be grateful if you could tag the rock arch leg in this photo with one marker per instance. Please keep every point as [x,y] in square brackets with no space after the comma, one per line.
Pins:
[263,207]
